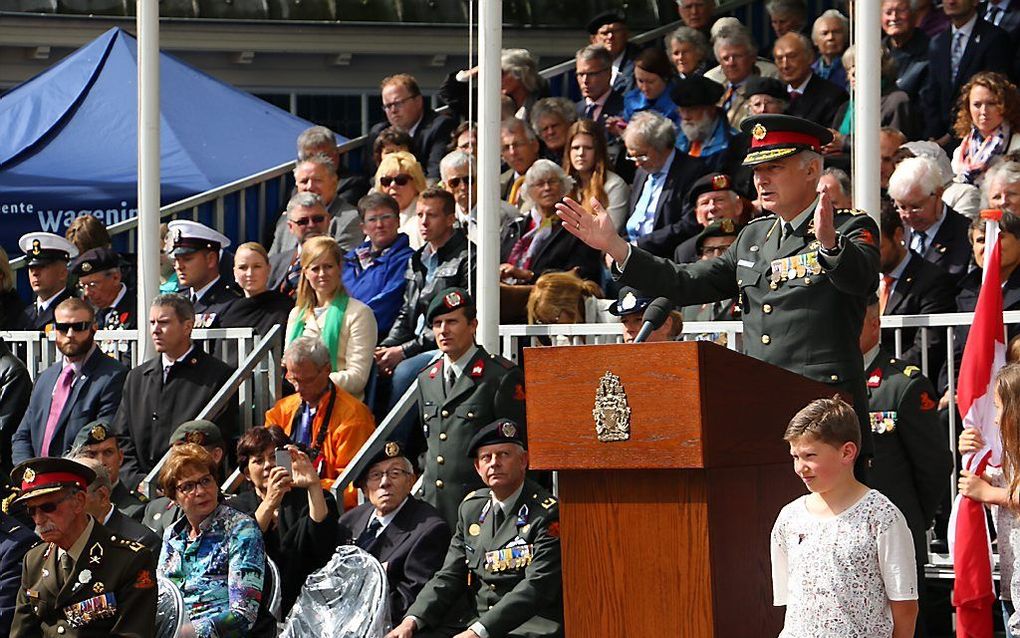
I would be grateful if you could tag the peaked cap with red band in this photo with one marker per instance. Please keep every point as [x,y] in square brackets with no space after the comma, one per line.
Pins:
[774,137]
[45,475]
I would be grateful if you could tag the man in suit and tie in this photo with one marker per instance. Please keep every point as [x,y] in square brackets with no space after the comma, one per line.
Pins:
[306,218]
[47,255]
[84,385]
[406,535]
[738,62]
[811,97]
[935,231]
[196,255]
[912,286]
[658,220]
[168,389]
[609,30]
[405,110]
[593,67]
[463,389]
[519,148]
[970,45]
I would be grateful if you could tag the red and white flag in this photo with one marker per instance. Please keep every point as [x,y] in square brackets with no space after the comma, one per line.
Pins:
[983,355]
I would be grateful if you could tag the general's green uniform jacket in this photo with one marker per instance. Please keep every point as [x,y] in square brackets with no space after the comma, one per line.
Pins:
[521,597]
[490,388]
[110,592]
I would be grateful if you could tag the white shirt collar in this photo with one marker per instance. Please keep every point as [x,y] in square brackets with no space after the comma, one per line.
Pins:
[386,520]
[44,304]
[458,365]
[201,291]
[803,85]
[414,128]
[77,365]
[120,295]
[509,502]
[967,28]
[108,514]
[167,361]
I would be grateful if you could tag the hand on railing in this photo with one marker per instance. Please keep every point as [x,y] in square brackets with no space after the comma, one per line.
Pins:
[944,401]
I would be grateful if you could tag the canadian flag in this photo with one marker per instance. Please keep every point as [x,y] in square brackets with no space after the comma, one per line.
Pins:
[983,355]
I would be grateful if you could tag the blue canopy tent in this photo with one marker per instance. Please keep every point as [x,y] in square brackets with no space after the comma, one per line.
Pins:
[70,140]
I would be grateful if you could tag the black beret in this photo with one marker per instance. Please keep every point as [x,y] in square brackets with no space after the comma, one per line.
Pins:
[710,183]
[760,85]
[696,90]
[391,450]
[93,433]
[447,301]
[604,18]
[724,227]
[499,431]
[95,260]
[199,432]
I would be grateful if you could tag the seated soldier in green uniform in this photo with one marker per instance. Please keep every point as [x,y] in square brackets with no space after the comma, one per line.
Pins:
[83,580]
[505,554]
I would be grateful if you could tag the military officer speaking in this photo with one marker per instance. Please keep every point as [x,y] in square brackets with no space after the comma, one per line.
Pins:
[458,393]
[83,580]
[803,274]
[504,559]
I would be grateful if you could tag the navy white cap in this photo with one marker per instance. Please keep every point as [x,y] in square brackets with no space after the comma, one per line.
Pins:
[46,248]
[188,236]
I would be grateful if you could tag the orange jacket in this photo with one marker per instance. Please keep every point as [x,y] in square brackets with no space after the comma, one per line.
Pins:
[350,425]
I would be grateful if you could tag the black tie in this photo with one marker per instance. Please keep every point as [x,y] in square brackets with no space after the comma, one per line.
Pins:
[500,517]
[451,378]
[194,299]
[369,535]
[787,230]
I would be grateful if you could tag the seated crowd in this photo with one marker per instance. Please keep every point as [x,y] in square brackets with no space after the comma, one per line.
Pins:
[372,291]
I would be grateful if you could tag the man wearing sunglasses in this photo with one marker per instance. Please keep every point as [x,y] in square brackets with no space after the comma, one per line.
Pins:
[47,256]
[460,178]
[83,580]
[82,386]
[306,218]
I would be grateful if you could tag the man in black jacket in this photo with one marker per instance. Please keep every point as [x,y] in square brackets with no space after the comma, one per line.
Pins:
[99,505]
[167,390]
[407,535]
[811,97]
[47,255]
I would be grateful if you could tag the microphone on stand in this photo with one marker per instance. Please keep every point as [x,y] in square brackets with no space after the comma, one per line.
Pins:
[655,315]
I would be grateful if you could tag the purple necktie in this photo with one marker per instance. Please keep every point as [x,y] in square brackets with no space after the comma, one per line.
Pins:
[60,394]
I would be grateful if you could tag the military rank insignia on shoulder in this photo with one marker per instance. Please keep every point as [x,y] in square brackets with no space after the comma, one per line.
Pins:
[134,546]
[477,494]
[911,371]
[770,217]
[549,503]
[503,361]
[850,211]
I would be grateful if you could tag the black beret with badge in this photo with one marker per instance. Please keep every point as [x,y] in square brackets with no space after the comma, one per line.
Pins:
[93,433]
[391,450]
[499,431]
[717,228]
[95,260]
[604,18]
[42,249]
[761,85]
[696,90]
[199,432]
[775,137]
[447,301]
[46,475]
[629,301]
[713,182]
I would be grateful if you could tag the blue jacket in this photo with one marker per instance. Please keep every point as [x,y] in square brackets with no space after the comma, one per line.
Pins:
[94,395]
[635,101]
[15,540]
[381,285]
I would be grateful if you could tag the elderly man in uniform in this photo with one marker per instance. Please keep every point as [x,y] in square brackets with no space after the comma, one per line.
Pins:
[463,388]
[505,554]
[99,280]
[913,462]
[15,541]
[84,580]
[406,535]
[803,273]
[47,256]
[98,504]
[715,240]
[713,197]
[196,254]
[98,441]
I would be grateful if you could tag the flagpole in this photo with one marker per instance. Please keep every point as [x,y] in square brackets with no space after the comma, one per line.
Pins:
[148,247]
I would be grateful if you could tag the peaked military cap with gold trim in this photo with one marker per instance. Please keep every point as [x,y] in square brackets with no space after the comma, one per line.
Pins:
[774,137]
[45,475]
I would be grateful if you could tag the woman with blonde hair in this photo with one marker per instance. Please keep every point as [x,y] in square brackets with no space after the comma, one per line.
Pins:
[563,297]
[587,163]
[260,308]
[324,310]
[11,304]
[400,176]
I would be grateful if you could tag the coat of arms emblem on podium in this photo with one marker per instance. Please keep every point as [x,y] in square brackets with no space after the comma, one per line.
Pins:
[611,412]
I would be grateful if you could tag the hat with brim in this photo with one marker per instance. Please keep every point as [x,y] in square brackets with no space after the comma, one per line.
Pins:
[696,90]
[43,249]
[46,475]
[628,302]
[776,137]
[188,236]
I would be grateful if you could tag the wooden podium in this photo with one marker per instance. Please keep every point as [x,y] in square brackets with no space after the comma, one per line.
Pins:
[667,533]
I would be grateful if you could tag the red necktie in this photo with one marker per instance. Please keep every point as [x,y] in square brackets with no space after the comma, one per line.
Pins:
[883,295]
[60,394]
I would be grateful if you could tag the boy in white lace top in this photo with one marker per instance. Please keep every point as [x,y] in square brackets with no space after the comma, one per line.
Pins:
[842,556]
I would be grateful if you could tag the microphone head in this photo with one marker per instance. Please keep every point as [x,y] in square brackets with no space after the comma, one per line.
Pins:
[657,311]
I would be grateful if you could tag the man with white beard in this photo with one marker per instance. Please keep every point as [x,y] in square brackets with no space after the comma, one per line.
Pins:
[705,132]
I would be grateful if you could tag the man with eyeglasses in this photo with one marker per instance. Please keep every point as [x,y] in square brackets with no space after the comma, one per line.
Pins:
[306,218]
[405,534]
[609,30]
[593,70]
[373,272]
[46,255]
[317,174]
[82,386]
[405,109]
[935,231]
[505,556]
[83,580]
[99,280]
[519,149]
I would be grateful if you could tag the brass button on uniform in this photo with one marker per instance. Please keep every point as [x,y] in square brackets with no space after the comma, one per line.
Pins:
[740,282]
[446,413]
[470,415]
[61,630]
[774,286]
[834,377]
[767,308]
[442,436]
[766,339]
[440,459]
[807,281]
[439,483]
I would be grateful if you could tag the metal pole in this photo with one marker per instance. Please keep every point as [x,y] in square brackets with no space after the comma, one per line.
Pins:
[867,99]
[148,167]
[490,43]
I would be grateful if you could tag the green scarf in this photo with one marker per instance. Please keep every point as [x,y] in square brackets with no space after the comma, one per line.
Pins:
[330,333]
[846,127]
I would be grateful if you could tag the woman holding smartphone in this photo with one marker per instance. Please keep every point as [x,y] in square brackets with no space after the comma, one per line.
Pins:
[297,517]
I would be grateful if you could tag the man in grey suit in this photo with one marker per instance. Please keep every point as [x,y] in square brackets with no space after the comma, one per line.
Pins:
[84,385]
[306,218]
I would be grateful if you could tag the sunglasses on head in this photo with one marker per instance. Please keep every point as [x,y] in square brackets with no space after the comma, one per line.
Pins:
[79,326]
[314,219]
[400,180]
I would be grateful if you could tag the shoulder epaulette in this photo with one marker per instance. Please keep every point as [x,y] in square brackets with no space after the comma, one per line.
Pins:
[909,370]
[850,211]
[503,361]
[548,503]
[769,217]
[134,546]
[484,492]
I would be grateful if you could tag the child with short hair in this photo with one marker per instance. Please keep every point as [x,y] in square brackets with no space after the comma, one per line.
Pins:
[842,556]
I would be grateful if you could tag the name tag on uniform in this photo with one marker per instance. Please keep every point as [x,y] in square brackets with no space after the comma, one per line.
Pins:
[883,422]
[509,558]
[744,262]
[95,608]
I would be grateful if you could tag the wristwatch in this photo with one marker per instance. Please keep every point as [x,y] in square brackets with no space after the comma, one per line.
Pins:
[835,250]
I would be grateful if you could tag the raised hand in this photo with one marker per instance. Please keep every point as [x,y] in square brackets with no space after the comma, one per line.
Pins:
[825,227]
[598,230]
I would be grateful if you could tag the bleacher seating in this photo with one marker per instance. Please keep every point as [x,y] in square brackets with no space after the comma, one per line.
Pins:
[234,9]
[29,6]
